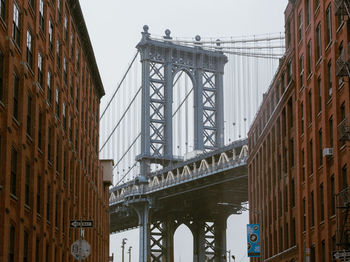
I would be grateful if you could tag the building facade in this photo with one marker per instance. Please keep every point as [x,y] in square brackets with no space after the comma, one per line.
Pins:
[299,148]
[50,90]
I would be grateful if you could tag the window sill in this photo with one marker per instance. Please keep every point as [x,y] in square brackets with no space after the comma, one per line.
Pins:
[3,24]
[17,124]
[328,46]
[2,105]
[340,27]
[13,197]
[319,114]
[317,10]
[319,60]
[309,76]
[29,138]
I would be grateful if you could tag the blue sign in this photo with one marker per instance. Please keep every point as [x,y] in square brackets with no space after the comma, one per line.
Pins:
[253,237]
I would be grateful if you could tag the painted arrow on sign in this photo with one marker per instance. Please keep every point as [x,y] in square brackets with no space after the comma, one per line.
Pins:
[81,223]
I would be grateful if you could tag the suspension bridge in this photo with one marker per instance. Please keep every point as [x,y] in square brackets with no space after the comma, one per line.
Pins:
[175,127]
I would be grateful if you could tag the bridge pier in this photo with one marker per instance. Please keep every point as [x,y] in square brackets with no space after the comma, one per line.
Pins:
[209,240]
[142,209]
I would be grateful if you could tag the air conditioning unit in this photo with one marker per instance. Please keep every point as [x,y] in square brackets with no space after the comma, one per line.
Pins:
[327,152]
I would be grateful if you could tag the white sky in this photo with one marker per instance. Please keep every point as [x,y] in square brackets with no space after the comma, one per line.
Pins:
[114,28]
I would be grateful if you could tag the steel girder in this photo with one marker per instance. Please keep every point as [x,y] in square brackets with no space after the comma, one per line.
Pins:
[161,61]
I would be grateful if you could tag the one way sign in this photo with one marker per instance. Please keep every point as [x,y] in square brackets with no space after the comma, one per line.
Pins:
[81,223]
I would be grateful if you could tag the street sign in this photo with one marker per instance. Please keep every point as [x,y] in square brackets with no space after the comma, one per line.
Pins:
[80,249]
[341,254]
[81,223]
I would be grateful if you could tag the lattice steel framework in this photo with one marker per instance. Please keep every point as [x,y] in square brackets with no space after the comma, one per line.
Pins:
[161,61]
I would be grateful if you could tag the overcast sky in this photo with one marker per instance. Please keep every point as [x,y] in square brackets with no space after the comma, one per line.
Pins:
[114,28]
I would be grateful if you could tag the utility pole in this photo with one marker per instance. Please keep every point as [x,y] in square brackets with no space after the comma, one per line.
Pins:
[129,252]
[123,246]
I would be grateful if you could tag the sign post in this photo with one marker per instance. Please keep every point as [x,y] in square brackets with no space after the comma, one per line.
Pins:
[81,249]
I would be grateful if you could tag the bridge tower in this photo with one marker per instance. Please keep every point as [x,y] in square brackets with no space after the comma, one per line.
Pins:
[161,60]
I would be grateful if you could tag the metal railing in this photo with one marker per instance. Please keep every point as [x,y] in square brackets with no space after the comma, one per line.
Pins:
[344,129]
[138,191]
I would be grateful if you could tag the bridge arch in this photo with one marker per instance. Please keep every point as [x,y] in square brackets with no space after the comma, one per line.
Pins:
[183,111]
[183,243]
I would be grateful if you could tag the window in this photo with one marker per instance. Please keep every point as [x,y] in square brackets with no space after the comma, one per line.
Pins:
[65,28]
[27,185]
[2,9]
[308,12]
[56,211]
[49,87]
[16,33]
[47,253]
[50,35]
[312,209]
[49,145]
[38,195]
[59,13]
[322,202]
[57,102]
[320,147]
[289,72]
[292,193]
[58,53]
[57,155]
[25,246]
[48,203]
[302,117]
[40,126]
[2,61]
[64,117]
[303,163]
[40,70]
[291,152]
[300,26]
[29,49]
[317,4]
[311,158]
[309,58]
[41,15]
[342,112]
[72,44]
[301,67]
[323,251]
[310,106]
[12,243]
[65,70]
[37,248]
[304,212]
[319,87]
[31,4]
[332,195]
[29,115]
[77,58]
[344,177]
[13,172]
[70,128]
[15,95]
[330,123]
[318,42]
[329,75]
[329,25]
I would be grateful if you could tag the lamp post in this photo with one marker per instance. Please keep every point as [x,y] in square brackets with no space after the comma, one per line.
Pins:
[259,213]
[123,246]
[129,252]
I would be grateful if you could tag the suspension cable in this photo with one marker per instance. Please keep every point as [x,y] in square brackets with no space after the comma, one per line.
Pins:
[126,110]
[183,101]
[132,144]
[119,85]
[197,43]
[120,180]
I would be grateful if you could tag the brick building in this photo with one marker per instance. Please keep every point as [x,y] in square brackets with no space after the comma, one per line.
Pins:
[50,90]
[299,148]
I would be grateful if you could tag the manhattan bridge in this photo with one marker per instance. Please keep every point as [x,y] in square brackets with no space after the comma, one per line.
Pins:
[176,129]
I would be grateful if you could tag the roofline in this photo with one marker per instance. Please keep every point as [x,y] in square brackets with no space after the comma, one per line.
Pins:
[85,42]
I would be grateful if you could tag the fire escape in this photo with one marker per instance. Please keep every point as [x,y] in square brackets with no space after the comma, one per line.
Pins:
[342,9]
